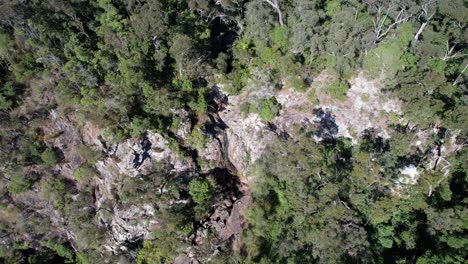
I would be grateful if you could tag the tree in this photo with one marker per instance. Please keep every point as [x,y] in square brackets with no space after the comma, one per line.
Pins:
[200,191]
[276,6]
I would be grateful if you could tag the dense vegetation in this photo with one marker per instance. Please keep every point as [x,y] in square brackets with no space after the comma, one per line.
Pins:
[130,66]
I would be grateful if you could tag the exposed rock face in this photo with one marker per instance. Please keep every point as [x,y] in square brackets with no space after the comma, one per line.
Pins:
[185,125]
[246,138]
[130,226]
[92,135]
[130,158]
[213,152]
[182,260]
[236,140]
[366,106]
[235,221]
[137,155]
[60,133]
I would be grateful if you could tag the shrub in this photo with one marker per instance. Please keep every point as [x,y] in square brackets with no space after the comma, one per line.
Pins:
[200,191]
[387,58]
[85,171]
[90,154]
[7,96]
[247,108]
[197,139]
[297,84]
[61,250]
[269,109]
[312,96]
[19,183]
[338,90]
[49,157]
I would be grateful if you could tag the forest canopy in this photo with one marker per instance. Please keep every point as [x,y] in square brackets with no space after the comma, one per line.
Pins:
[232,131]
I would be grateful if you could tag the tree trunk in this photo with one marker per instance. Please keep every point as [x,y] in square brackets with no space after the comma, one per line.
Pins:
[416,37]
[275,5]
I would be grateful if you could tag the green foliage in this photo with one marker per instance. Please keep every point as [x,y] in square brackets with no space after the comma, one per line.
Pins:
[61,250]
[84,172]
[237,80]
[338,90]
[7,96]
[6,45]
[19,183]
[182,83]
[279,36]
[197,138]
[133,66]
[88,257]
[50,157]
[332,7]
[268,109]
[89,154]
[386,60]
[297,84]
[154,252]
[53,188]
[200,191]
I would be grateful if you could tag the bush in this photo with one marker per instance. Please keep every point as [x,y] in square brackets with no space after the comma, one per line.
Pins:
[387,58]
[7,96]
[200,191]
[269,109]
[247,108]
[297,84]
[91,155]
[61,250]
[49,157]
[6,43]
[312,96]
[85,171]
[19,183]
[338,90]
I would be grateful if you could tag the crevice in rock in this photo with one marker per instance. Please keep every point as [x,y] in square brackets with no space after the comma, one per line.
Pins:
[145,148]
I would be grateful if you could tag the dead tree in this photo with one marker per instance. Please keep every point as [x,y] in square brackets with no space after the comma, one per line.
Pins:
[381,27]
[275,5]
[461,73]
[426,16]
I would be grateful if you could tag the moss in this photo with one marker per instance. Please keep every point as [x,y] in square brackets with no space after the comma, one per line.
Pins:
[365,98]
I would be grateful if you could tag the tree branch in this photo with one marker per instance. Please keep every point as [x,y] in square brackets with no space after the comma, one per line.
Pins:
[275,5]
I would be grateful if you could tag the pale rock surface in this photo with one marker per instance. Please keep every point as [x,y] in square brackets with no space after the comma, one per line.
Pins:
[410,175]
[132,223]
[246,138]
[60,133]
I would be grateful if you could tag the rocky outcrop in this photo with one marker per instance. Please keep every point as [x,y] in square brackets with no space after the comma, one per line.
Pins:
[132,224]
[245,138]
[129,227]
[64,137]
[136,156]
[234,222]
